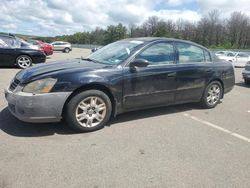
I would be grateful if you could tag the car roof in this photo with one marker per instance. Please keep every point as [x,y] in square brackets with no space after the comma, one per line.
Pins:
[7,35]
[154,39]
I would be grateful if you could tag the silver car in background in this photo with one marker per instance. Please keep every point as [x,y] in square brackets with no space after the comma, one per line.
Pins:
[61,46]
[238,59]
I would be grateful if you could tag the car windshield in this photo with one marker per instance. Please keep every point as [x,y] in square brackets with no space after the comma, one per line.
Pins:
[115,53]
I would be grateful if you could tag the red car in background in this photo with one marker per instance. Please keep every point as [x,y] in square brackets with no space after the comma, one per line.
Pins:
[46,48]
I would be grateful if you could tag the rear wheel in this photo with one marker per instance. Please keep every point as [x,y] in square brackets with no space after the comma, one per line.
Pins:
[212,95]
[66,50]
[23,61]
[88,111]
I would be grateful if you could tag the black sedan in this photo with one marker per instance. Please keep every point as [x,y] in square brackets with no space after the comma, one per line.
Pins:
[16,52]
[123,76]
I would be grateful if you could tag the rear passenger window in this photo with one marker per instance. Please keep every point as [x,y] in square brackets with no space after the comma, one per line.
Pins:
[189,53]
[207,56]
[160,53]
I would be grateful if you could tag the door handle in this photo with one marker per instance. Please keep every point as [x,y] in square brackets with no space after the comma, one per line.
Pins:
[172,75]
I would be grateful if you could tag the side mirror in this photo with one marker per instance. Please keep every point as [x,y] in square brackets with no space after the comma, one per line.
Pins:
[139,63]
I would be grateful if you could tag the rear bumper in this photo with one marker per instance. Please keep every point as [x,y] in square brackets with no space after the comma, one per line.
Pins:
[39,59]
[246,75]
[49,52]
[40,108]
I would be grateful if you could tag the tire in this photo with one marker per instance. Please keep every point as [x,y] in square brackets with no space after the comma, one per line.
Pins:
[247,82]
[66,50]
[88,111]
[23,61]
[212,95]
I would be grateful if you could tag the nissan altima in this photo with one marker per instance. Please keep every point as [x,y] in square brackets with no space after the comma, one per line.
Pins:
[127,75]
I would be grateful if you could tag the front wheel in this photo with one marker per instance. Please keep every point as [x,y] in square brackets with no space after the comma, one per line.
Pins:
[23,61]
[88,111]
[212,95]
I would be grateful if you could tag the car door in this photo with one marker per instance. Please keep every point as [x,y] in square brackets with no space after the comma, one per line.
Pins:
[155,84]
[194,69]
[56,46]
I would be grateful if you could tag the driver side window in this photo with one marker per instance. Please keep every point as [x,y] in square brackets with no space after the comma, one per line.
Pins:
[157,54]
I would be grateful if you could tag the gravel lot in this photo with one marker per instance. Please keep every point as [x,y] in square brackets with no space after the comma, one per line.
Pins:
[180,146]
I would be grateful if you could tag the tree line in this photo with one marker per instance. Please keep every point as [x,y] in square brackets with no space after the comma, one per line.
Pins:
[211,31]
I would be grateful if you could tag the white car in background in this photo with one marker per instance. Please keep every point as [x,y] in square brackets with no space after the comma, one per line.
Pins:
[221,53]
[238,59]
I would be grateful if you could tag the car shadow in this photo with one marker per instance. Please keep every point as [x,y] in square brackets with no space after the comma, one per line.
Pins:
[9,67]
[12,126]
[153,112]
[242,84]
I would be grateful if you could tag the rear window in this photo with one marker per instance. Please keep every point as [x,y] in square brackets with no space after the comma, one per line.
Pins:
[242,55]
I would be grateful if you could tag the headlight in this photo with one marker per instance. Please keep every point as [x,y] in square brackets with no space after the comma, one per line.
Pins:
[40,86]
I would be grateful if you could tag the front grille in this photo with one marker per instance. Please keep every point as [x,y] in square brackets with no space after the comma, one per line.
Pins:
[14,84]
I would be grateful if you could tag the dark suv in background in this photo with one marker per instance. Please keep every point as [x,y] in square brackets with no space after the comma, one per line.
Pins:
[17,52]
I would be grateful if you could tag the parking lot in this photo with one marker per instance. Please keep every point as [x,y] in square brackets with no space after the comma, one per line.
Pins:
[177,146]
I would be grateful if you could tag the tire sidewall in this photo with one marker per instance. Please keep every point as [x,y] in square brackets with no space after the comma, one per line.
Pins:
[66,50]
[74,102]
[204,98]
[20,56]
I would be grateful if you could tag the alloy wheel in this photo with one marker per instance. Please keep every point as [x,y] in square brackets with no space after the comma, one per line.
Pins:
[24,62]
[214,94]
[91,111]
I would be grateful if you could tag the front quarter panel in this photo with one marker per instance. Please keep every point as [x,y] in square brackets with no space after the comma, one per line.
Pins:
[111,78]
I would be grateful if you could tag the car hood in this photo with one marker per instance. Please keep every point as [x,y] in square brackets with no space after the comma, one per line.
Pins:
[54,68]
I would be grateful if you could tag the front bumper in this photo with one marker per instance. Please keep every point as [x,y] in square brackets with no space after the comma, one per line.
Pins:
[246,74]
[36,108]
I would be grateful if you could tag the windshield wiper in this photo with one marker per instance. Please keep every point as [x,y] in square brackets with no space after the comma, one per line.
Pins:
[92,60]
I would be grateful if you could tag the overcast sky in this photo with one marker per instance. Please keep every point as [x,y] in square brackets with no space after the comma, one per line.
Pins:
[57,17]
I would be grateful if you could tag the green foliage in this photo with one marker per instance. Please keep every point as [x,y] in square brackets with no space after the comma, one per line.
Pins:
[114,33]
[210,31]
